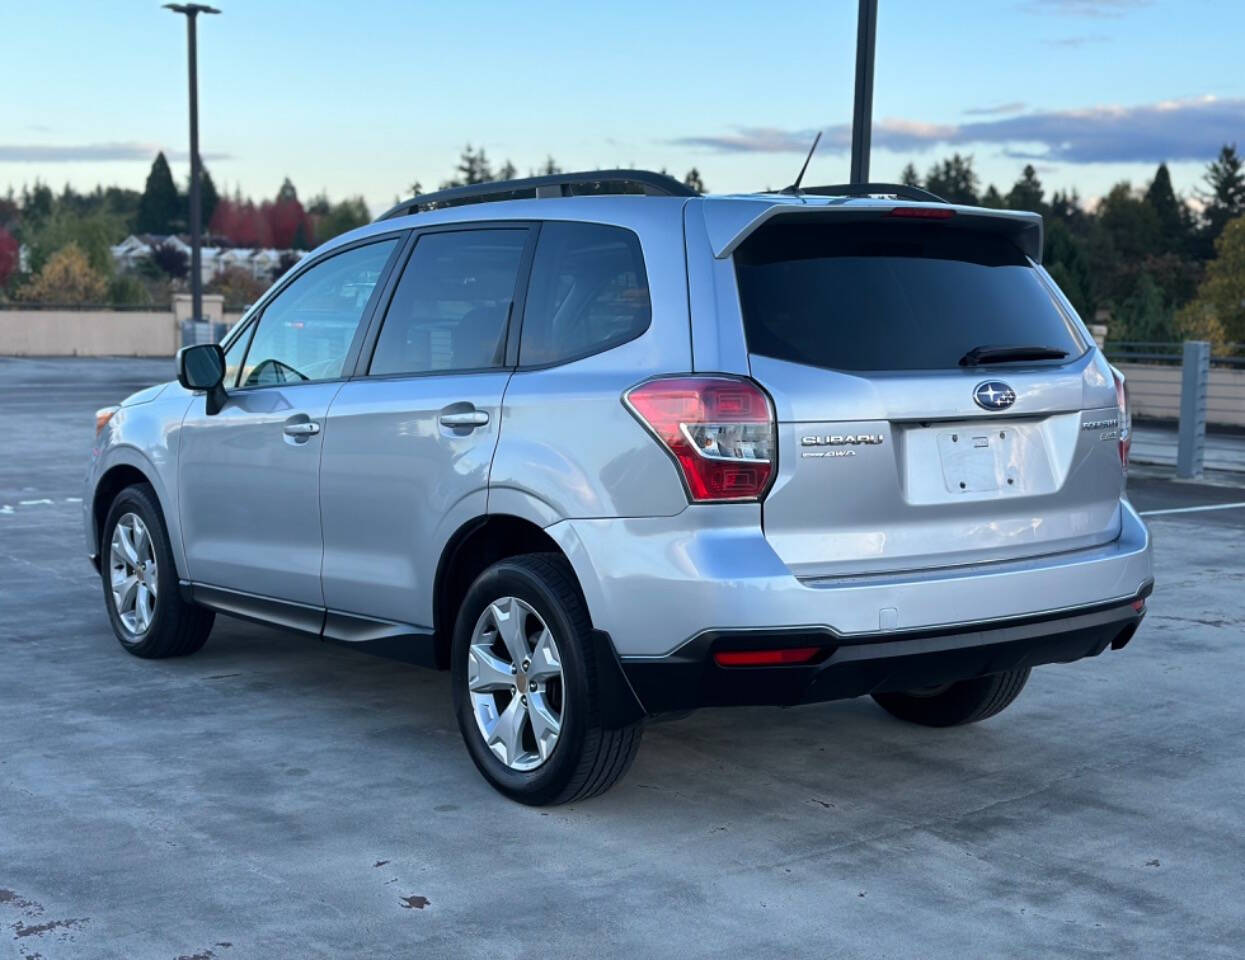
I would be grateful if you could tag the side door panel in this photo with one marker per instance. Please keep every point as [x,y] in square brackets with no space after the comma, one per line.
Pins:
[250,510]
[248,475]
[391,474]
[409,441]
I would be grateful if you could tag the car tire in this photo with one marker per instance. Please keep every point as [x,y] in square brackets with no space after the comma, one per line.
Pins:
[966,701]
[506,710]
[145,607]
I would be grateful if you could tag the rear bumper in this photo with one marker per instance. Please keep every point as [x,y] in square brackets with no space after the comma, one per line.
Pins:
[847,667]
[657,584]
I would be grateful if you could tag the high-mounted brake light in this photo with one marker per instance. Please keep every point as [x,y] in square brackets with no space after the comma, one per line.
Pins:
[1124,417]
[922,213]
[765,658]
[719,430]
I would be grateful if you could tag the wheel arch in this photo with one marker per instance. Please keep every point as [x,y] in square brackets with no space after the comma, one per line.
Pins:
[128,469]
[475,546]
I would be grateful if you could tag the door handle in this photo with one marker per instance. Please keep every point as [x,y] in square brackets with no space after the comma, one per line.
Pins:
[468,418]
[307,429]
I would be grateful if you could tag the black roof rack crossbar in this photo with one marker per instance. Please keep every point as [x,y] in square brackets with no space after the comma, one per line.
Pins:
[900,190]
[555,185]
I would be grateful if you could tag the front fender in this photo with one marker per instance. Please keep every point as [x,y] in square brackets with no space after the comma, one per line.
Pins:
[143,438]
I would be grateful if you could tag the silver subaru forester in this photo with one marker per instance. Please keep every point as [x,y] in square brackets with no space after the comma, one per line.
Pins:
[608,450]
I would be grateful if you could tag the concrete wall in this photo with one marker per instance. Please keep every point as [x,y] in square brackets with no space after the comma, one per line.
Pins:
[91,333]
[1154,391]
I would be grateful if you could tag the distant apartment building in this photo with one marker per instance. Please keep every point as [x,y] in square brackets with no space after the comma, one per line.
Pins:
[261,263]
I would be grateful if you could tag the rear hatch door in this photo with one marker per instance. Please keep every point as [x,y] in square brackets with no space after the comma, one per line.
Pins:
[895,452]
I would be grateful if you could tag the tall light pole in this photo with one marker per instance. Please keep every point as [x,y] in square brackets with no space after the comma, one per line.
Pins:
[192,11]
[862,115]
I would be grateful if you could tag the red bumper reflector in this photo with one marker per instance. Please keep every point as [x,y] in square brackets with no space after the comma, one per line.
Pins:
[764,658]
[1139,605]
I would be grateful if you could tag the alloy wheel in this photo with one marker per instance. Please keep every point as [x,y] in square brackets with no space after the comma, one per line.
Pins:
[133,574]
[514,678]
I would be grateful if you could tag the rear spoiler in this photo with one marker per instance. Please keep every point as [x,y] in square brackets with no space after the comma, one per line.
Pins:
[729,221]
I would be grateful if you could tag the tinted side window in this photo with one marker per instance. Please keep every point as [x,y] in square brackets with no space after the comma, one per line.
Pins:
[306,331]
[452,305]
[588,293]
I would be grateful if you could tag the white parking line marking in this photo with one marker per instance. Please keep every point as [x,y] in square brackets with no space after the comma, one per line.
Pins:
[1213,506]
[7,509]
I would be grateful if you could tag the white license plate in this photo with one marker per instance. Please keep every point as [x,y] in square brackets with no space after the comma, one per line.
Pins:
[977,460]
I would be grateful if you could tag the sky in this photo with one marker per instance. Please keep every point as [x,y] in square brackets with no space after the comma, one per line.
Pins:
[369,96]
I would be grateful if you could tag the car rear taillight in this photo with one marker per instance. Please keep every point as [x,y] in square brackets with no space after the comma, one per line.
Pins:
[719,430]
[1124,417]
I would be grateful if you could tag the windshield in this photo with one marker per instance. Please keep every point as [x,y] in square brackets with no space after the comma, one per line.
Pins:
[891,296]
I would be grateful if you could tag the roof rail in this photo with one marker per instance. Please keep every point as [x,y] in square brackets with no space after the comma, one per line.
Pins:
[554,185]
[900,190]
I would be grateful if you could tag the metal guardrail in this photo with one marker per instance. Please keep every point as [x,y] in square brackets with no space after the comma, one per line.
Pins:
[1167,353]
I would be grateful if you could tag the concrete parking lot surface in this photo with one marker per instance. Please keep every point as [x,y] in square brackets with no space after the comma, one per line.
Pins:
[273,796]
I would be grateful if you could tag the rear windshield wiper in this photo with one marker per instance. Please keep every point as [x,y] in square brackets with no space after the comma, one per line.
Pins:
[987,354]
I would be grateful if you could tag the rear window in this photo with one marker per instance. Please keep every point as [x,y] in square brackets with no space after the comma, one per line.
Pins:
[891,296]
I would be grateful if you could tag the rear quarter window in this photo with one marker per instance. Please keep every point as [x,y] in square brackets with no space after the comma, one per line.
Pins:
[588,293]
[891,296]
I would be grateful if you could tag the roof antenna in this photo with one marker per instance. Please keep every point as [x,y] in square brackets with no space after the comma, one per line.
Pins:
[795,187]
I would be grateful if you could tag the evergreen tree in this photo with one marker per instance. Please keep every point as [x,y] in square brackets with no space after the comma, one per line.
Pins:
[1066,206]
[506,171]
[954,180]
[692,179]
[37,203]
[473,168]
[1068,264]
[992,198]
[1226,198]
[1171,212]
[1144,314]
[1130,221]
[160,207]
[1026,193]
[909,177]
[208,197]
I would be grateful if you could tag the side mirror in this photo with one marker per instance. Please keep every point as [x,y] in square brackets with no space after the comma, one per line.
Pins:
[202,367]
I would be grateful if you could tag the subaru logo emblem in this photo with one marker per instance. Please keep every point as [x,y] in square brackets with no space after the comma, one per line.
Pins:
[994,395]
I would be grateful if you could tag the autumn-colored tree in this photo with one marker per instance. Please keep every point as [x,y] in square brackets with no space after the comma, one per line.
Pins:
[1218,311]
[9,254]
[241,223]
[67,278]
[286,218]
